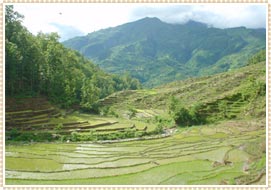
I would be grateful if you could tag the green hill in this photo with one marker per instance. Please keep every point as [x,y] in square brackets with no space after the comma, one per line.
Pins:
[41,66]
[157,53]
[236,94]
[230,149]
[207,130]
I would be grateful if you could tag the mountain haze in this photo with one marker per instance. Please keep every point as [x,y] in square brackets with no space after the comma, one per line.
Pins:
[156,52]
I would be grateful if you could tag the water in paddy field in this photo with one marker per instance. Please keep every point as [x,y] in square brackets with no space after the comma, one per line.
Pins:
[229,153]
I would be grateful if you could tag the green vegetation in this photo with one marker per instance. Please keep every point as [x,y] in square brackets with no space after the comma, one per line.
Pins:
[188,157]
[68,122]
[231,95]
[158,53]
[228,149]
[40,65]
[183,116]
[259,57]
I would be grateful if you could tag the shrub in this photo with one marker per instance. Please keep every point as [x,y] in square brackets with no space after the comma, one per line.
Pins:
[158,129]
[140,133]
[196,116]
[102,137]
[26,136]
[104,111]
[223,107]
[164,122]
[129,133]
[63,138]
[44,137]
[14,133]
[132,113]
[74,136]
[258,57]
[113,112]
[184,116]
[59,127]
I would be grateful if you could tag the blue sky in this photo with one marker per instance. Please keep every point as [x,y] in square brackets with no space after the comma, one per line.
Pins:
[71,20]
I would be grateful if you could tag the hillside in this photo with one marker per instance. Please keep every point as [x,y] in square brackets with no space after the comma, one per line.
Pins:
[68,122]
[230,149]
[157,53]
[41,66]
[235,94]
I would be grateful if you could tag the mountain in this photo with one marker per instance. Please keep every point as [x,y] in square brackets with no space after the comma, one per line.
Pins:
[236,94]
[156,52]
[40,65]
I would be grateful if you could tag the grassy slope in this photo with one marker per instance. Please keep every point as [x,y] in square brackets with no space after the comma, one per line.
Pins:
[226,152]
[210,92]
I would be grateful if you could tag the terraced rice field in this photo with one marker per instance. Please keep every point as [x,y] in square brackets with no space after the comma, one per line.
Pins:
[37,116]
[226,153]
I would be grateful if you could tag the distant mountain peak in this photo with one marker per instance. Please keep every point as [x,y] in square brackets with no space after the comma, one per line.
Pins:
[156,52]
[149,19]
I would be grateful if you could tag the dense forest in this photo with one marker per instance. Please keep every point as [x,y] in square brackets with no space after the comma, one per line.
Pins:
[40,65]
[156,52]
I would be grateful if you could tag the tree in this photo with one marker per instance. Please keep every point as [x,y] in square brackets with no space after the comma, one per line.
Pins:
[40,65]
[223,107]
[258,57]
[185,116]
[182,117]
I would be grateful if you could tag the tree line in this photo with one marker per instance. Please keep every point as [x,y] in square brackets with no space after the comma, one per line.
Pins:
[40,65]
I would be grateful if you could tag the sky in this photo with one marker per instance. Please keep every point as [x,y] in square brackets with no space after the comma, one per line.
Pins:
[70,20]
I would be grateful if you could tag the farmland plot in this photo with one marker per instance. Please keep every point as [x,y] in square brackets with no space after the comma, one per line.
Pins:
[196,155]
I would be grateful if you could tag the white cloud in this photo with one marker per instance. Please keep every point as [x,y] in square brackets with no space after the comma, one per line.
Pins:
[66,31]
[84,17]
[218,15]
[79,19]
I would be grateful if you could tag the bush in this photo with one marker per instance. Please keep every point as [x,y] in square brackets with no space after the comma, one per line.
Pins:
[164,122]
[129,133]
[104,111]
[59,127]
[158,129]
[140,133]
[196,116]
[74,136]
[63,138]
[184,116]
[258,57]
[113,112]
[132,113]
[87,137]
[14,133]
[43,137]
[26,136]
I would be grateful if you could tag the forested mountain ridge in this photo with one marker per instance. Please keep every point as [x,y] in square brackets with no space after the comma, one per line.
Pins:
[156,52]
[40,65]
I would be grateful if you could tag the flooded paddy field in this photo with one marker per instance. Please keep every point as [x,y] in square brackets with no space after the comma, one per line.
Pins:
[231,152]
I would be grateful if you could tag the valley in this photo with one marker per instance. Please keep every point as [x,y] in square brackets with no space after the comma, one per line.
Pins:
[143,103]
[116,148]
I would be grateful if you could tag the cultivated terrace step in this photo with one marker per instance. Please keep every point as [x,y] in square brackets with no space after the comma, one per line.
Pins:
[75,123]
[27,119]
[30,111]
[113,129]
[15,104]
[25,124]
